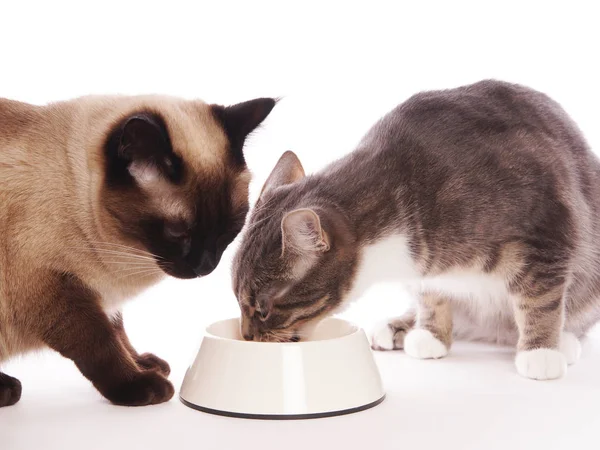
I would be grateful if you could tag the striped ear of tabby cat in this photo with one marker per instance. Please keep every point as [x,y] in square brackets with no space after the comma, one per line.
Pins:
[100,197]
[482,200]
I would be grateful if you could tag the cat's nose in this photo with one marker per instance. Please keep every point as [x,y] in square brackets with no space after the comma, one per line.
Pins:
[208,263]
[248,336]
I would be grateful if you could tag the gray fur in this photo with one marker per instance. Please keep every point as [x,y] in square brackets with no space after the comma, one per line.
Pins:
[492,175]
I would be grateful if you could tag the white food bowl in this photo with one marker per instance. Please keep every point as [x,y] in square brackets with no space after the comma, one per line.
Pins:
[331,373]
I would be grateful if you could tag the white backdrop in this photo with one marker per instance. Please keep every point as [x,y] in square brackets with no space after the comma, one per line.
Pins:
[339,66]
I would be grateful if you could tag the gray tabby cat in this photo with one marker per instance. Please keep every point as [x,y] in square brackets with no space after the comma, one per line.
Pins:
[482,199]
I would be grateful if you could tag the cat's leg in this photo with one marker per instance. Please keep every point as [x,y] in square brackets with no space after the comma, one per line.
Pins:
[539,314]
[432,336]
[390,335]
[77,327]
[145,360]
[10,390]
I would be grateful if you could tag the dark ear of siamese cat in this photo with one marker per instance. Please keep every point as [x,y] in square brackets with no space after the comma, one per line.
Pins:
[482,200]
[100,197]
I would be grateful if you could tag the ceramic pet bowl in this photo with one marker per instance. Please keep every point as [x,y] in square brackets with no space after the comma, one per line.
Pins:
[330,373]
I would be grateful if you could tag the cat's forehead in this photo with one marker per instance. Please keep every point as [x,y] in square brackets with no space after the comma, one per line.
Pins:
[200,141]
[258,264]
[261,243]
[195,135]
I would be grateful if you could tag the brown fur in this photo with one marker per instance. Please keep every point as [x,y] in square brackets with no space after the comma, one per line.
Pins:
[82,229]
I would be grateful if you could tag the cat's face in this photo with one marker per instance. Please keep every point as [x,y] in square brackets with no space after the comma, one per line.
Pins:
[176,181]
[294,264]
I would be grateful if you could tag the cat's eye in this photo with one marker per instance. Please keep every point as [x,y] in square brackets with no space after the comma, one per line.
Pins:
[263,315]
[176,232]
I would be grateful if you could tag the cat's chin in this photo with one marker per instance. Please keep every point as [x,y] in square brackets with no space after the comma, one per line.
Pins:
[181,273]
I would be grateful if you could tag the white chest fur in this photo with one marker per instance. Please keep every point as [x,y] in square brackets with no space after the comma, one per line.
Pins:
[389,260]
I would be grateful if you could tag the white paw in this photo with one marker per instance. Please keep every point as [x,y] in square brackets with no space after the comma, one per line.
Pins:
[570,347]
[541,364]
[422,344]
[383,338]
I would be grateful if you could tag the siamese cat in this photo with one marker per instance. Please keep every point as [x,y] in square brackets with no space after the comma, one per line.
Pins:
[484,200]
[100,197]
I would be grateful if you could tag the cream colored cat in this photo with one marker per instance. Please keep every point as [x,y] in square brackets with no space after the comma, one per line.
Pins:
[100,197]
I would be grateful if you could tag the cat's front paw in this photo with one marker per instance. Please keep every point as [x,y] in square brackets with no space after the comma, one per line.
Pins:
[422,344]
[541,364]
[10,390]
[150,361]
[146,388]
[386,337]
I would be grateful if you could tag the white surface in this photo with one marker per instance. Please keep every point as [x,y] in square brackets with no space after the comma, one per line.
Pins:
[332,371]
[471,400]
[339,67]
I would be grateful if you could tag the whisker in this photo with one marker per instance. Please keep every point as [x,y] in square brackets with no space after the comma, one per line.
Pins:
[145,273]
[126,247]
[129,269]
[151,273]
[284,336]
[129,263]
[118,253]
[125,259]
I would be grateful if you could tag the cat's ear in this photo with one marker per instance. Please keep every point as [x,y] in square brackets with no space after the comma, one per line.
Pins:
[302,234]
[142,148]
[288,170]
[240,120]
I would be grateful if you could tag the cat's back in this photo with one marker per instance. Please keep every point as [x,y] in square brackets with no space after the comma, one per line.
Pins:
[16,120]
[481,114]
[488,105]
[489,132]
[468,153]
[23,127]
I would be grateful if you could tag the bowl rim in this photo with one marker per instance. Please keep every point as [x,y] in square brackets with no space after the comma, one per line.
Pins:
[355,330]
